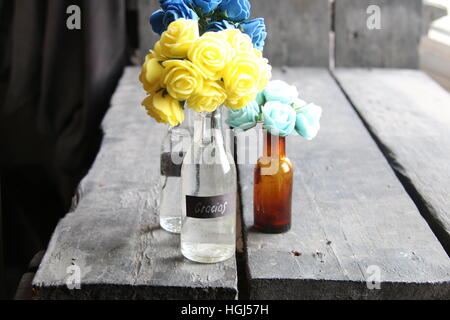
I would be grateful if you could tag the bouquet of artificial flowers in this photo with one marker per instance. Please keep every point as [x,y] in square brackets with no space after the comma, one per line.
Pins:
[204,71]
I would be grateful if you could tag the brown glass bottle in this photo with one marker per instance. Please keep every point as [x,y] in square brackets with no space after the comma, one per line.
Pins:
[272,195]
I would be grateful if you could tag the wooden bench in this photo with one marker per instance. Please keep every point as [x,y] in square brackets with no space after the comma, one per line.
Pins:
[113,234]
[351,216]
[371,194]
[409,116]
[350,213]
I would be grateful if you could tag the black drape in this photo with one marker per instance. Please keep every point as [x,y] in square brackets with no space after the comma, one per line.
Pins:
[55,86]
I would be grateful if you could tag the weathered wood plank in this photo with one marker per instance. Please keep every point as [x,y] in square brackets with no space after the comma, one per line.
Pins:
[394,45]
[113,234]
[409,114]
[298,31]
[350,212]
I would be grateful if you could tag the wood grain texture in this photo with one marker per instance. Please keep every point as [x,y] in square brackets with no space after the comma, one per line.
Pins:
[409,114]
[298,31]
[349,212]
[113,234]
[394,45]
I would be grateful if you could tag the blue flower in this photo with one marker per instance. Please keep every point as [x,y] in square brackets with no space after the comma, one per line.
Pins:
[256,29]
[220,25]
[279,118]
[206,5]
[307,122]
[244,118]
[177,10]
[166,3]
[278,90]
[236,10]
[156,21]
[171,10]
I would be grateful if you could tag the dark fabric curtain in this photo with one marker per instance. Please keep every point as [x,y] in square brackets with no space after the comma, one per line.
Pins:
[55,87]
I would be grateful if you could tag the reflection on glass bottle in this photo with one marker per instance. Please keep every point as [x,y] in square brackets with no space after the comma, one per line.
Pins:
[208,174]
[173,149]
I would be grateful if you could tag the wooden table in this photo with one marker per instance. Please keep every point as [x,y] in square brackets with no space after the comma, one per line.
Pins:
[353,217]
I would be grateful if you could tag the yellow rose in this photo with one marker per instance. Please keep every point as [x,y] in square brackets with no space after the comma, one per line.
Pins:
[238,102]
[211,53]
[245,76]
[180,35]
[182,79]
[257,53]
[163,108]
[241,75]
[209,98]
[157,51]
[238,41]
[265,73]
[151,74]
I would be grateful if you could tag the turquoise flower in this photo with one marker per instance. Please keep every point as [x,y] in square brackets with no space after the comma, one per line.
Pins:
[278,90]
[244,118]
[307,122]
[279,118]
[261,99]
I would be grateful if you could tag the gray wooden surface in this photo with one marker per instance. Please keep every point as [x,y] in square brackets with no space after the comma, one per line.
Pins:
[410,116]
[394,45]
[298,30]
[113,234]
[350,212]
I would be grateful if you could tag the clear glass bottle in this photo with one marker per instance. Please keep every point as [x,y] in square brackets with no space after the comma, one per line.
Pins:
[173,150]
[208,233]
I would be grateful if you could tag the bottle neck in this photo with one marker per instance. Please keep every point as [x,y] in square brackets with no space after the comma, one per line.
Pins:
[208,128]
[274,146]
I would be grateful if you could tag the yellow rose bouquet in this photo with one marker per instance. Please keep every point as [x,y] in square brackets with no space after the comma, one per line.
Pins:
[201,72]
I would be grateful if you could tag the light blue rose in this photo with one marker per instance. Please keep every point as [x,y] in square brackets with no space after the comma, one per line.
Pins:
[256,29]
[307,122]
[279,118]
[278,90]
[261,99]
[244,118]
[220,25]
[206,6]
[156,21]
[236,10]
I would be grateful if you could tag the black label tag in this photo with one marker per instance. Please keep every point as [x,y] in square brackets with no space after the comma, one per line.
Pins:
[171,164]
[211,207]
